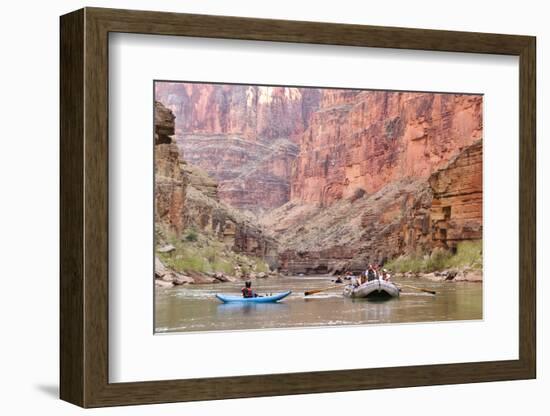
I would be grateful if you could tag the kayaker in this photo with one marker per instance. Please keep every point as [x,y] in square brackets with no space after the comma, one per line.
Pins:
[247,290]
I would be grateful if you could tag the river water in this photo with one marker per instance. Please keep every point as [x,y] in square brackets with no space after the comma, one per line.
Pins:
[195,308]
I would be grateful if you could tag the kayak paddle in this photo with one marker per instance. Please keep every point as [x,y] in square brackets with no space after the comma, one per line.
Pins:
[311,292]
[417,288]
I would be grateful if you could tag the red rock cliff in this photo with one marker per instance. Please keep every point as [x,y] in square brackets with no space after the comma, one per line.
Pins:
[367,139]
[457,206]
[405,216]
[170,181]
[243,136]
[186,198]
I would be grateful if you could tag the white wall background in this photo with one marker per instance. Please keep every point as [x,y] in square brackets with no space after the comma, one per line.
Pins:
[29,209]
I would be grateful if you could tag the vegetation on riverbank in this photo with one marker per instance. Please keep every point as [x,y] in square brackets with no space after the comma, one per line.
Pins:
[469,254]
[201,253]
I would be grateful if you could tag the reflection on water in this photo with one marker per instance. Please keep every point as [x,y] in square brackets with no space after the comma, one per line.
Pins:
[195,308]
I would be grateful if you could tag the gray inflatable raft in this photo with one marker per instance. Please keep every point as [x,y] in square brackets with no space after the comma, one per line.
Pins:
[375,289]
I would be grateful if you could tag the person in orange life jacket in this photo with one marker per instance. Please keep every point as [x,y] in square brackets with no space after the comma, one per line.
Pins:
[247,290]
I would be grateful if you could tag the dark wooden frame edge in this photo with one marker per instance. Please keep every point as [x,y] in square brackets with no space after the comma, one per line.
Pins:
[84,207]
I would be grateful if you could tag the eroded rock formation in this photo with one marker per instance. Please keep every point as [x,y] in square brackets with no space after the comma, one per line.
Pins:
[457,207]
[405,216]
[354,231]
[187,198]
[364,140]
[205,212]
[245,137]
[170,181]
[380,174]
[341,177]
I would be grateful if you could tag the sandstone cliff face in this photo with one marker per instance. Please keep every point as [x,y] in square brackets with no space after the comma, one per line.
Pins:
[367,139]
[342,177]
[243,136]
[405,216]
[253,113]
[205,212]
[186,197]
[353,231]
[457,207]
[170,181]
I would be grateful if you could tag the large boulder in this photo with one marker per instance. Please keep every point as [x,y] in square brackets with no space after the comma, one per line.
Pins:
[163,284]
[181,279]
[222,277]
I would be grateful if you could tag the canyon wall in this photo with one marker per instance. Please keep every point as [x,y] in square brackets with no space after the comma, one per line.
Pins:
[354,231]
[170,181]
[380,174]
[205,212]
[244,136]
[457,207]
[363,140]
[405,216]
[253,113]
[186,198]
[341,178]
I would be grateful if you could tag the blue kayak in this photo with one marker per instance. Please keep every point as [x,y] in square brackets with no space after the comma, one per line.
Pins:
[260,299]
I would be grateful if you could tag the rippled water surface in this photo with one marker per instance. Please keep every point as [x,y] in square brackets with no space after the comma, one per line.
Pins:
[195,307]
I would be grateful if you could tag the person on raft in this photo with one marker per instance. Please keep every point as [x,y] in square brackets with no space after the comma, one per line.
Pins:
[371,273]
[247,290]
[363,278]
[377,273]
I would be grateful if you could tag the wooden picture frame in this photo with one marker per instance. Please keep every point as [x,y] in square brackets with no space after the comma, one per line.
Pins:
[84,207]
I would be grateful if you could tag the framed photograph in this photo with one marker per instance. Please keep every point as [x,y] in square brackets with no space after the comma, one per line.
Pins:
[255,207]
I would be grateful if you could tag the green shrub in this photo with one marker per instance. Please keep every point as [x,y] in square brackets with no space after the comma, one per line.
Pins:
[468,254]
[222,266]
[191,236]
[187,263]
[438,260]
[198,252]
[404,264]
[261,266]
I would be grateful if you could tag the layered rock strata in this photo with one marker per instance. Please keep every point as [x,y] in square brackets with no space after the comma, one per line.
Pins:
[457,206]
[364,140]
[170,181]
[406,216]
[245,137]
[341,177]
[239,232]
[380,174]
[187,198]
[353,231]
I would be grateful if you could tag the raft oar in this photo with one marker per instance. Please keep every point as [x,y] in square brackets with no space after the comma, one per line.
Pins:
[417,288]
[311,292]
